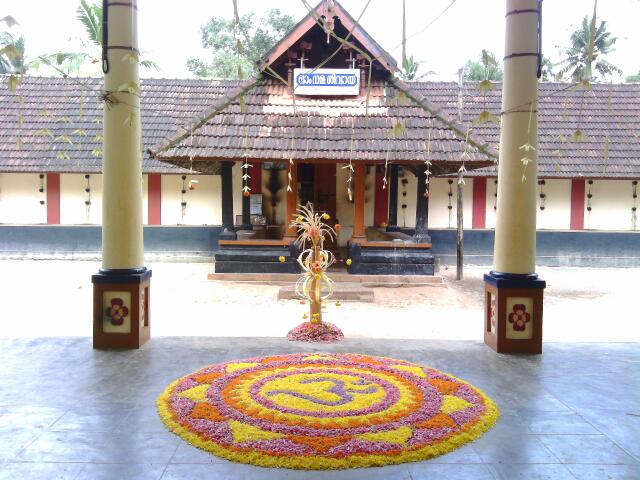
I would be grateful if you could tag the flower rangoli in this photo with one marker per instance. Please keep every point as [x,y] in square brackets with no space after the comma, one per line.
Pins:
[325,411]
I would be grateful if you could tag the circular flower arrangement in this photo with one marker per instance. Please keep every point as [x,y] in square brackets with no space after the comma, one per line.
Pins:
[325,411]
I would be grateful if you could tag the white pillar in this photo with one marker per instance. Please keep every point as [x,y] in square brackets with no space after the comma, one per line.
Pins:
[122,244]
[515,232]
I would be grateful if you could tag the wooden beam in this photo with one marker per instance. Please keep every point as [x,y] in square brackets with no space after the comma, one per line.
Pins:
[358,204]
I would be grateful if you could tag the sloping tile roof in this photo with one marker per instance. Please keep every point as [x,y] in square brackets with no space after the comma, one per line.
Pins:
[389,126]
[44,111]
[607,115]
[611,111]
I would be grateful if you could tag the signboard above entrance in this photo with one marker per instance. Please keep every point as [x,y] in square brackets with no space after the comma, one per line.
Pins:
[326,81]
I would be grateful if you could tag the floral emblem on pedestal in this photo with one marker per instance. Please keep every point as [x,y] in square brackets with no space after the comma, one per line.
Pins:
[117,311]
[519,318]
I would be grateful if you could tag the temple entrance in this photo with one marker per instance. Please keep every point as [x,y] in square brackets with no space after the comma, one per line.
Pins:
[318,186]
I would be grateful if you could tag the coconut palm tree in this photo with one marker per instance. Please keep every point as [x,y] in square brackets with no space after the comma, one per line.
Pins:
[585,56]
[11,54]
[90,15]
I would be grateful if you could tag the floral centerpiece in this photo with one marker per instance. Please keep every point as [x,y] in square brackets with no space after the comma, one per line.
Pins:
[314,286]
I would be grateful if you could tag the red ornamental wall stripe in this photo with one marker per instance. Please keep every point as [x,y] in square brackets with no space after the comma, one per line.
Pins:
[53,198]
[479,212]
[154,201]
[577,204]
[381,204]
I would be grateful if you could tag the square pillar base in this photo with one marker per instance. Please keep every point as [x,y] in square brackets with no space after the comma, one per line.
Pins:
[513,312]
[121,308]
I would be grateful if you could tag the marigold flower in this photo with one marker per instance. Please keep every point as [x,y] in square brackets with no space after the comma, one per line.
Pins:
[281,259]
[325,216]
[337,227]
[245,193]
[348,262]
[299,219]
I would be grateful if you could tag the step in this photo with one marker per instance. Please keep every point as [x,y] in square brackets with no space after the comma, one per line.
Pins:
[338,277]
[342,292]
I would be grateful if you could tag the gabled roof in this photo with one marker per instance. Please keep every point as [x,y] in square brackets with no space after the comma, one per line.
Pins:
[386,126]
[324,9]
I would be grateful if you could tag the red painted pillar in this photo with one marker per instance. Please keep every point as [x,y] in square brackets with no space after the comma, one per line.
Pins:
[577,204]
[154,199]
[255,177]
[53,198]
[479,212]
[381,204]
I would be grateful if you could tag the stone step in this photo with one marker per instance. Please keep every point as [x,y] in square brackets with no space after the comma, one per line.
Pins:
[338,277]
[342,292]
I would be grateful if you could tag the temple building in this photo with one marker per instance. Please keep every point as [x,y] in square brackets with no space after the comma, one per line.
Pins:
[226,162]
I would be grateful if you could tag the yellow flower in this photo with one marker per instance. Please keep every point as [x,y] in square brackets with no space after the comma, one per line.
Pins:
[281,259]
[348,262]
[338,304]
[299,219]
[326,216]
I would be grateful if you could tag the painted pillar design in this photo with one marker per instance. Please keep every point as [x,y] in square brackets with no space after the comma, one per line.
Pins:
[393,198]
[154,199]
[577,204]
[53,198]
[121,288]
[513,292]
[358,203]
[479,210]
[381,205]
[422,209]
[226,187]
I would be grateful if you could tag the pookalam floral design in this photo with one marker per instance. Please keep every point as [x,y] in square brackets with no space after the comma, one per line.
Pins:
[325,411]
[519,318]
[117,311]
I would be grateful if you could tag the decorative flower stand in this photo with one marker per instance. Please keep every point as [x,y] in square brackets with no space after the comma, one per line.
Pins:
[121,308]
[513,312]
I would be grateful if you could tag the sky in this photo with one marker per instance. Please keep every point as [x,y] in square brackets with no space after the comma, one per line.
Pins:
[169,35]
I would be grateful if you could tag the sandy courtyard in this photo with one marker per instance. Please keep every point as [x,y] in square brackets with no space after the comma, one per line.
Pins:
[53,298]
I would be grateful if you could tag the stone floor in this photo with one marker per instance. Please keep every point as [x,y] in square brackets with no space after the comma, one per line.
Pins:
[70,412]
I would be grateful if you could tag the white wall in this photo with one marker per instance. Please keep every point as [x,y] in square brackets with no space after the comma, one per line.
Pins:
[204,206]
[557,209]
[439,201]
[610,205]
[236,176]
[20,198]
[492,201]
[344,208]
[73,210]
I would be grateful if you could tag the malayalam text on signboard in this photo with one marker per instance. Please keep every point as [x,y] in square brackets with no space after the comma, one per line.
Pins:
[326,81]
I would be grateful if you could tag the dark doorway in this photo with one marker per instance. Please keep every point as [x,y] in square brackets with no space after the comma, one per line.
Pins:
[318,185]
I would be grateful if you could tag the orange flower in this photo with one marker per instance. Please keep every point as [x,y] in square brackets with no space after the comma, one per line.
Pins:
[337,227]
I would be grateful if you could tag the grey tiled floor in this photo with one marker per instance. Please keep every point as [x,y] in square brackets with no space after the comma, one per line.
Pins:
[69,412]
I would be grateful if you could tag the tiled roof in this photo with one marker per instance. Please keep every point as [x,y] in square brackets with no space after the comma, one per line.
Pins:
[389,126]
[44,114]
[607,115]
[322,130]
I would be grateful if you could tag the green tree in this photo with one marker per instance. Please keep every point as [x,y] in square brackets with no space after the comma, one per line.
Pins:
[633,78]
[87,60]
[585,58]
[486,68]
[410,69]
[11,54]
[257,36]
